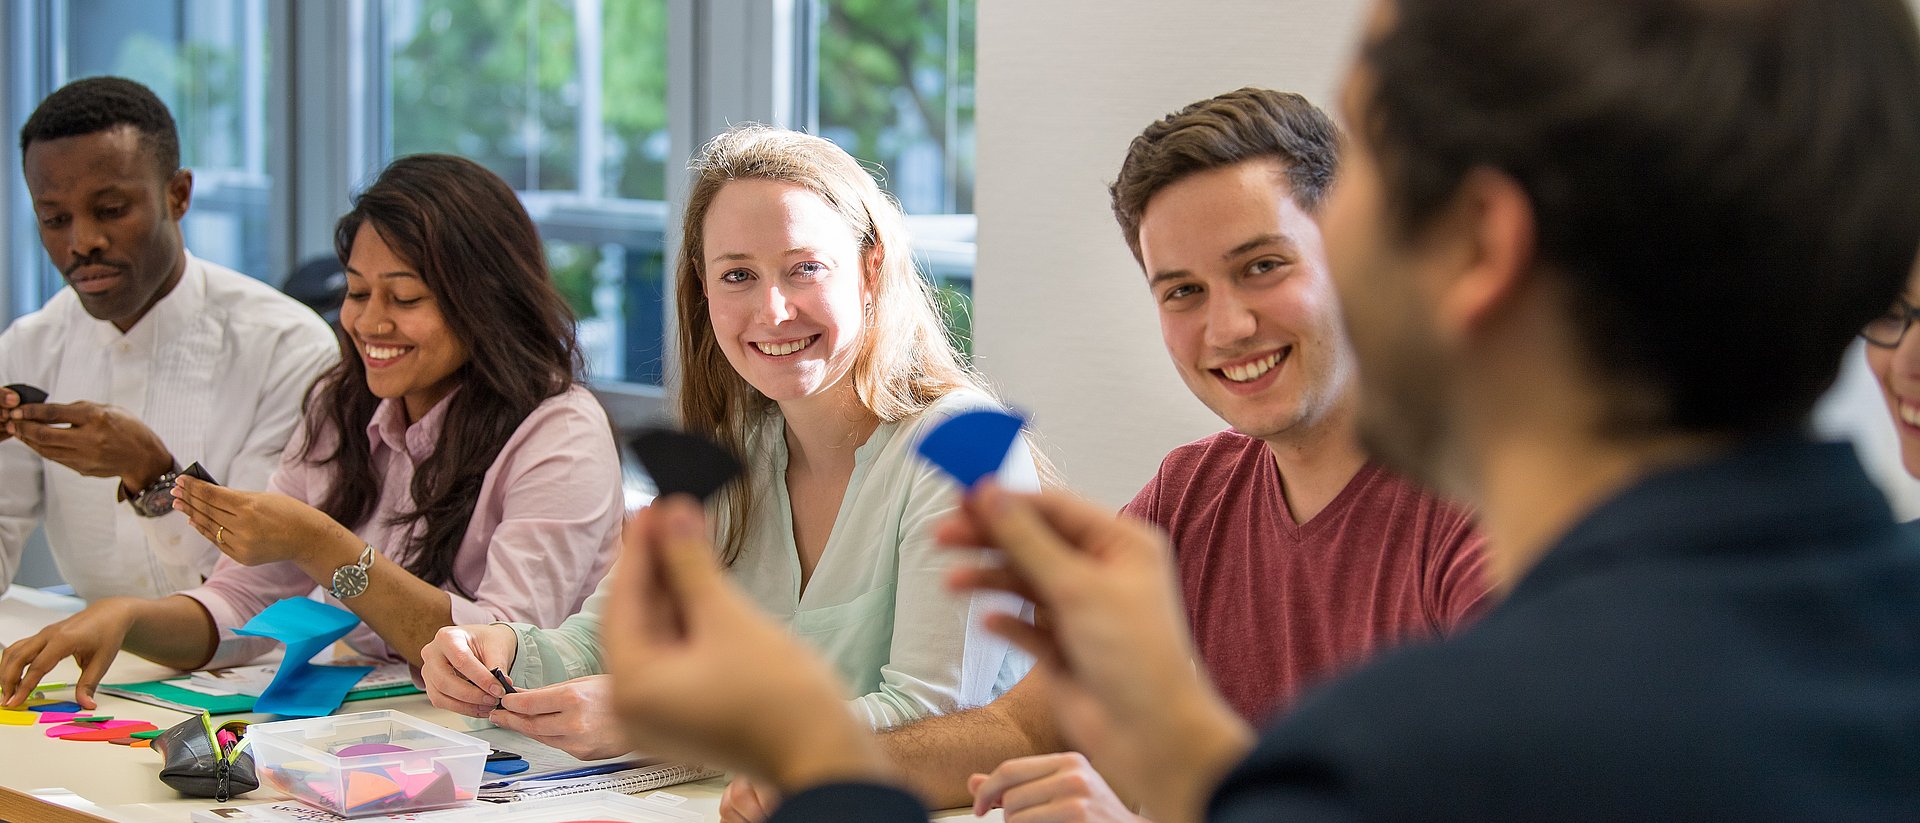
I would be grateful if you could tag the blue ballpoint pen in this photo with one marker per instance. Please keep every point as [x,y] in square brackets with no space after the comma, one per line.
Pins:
[583,771]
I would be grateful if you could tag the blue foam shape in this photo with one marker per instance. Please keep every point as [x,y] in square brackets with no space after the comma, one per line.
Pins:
[507,766]
[66,706]
[971,445]
[300,688]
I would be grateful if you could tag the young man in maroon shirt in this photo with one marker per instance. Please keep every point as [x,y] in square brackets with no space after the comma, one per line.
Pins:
[1298,557]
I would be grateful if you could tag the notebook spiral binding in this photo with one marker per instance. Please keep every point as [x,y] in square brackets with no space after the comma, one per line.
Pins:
[639,779]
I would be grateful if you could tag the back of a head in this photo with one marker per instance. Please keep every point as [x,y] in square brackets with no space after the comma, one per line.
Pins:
[1726,190]
[97,104]
[1226,130]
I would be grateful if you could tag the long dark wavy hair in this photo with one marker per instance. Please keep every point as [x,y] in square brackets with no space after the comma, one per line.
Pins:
[461,227]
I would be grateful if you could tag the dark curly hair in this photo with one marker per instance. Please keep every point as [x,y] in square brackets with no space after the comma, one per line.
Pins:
[96,104]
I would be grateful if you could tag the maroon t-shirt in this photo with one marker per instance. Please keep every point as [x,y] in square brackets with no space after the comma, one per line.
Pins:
[1278,606]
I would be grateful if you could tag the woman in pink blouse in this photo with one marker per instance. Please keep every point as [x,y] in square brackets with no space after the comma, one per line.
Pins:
[449,470]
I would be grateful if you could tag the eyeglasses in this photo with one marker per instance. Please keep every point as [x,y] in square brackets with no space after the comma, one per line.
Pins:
[1886,330]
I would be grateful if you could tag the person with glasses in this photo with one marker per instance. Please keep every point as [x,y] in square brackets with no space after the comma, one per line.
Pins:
[1893,356]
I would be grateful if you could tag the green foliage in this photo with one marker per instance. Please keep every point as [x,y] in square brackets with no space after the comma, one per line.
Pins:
[956,307]
[201,85]
[476,73]
[880,58]
[572,266]
[499,81]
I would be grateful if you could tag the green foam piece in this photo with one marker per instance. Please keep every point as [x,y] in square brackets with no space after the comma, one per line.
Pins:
[147,735]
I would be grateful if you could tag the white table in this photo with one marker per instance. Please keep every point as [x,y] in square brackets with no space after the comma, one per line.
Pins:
[62,781]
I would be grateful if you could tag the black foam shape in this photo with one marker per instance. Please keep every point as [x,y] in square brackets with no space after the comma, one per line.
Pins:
[682,463]
[199,472]
[28,394]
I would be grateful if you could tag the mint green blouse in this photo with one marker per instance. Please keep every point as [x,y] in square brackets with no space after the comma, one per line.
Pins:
[876,605]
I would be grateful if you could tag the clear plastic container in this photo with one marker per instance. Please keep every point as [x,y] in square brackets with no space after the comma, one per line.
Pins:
[379,762]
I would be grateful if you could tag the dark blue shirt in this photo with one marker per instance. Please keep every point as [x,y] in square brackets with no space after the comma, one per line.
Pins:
[1733,640]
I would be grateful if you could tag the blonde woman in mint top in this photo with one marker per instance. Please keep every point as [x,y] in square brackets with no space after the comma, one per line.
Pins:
[811,347]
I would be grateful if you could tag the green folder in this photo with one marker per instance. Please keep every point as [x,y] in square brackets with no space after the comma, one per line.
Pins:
[163,693]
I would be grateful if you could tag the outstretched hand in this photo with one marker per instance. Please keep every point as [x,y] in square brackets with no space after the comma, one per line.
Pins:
[1111,631]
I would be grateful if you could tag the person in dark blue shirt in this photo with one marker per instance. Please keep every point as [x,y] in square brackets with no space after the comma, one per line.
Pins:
[1598,259]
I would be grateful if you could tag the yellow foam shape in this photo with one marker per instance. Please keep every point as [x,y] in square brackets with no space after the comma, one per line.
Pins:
[9,717]
[366,787]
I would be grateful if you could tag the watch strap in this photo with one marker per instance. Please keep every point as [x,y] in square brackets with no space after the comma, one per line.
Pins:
[154,500]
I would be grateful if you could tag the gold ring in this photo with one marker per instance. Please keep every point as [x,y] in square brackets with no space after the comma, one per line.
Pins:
[220,536]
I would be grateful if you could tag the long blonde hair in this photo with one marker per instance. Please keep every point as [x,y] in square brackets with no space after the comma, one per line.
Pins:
[915,367]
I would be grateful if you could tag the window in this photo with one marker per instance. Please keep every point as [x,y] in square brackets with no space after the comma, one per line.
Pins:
[208,61]
[588,108]
[531,90]
[892,83]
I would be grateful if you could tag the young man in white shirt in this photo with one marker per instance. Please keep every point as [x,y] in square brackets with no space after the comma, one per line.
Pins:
[152,360]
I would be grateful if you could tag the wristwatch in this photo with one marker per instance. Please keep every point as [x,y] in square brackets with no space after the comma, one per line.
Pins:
[351,580]
[154,500]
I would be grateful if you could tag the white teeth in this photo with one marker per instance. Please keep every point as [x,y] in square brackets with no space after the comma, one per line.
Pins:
[1249,371]
[784,349]
[1910,414]
[385,352]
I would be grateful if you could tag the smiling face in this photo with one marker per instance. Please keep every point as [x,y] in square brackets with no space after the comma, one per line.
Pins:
[1246,307]
[1897,371]
[396,326]
[785,285]
[109,219]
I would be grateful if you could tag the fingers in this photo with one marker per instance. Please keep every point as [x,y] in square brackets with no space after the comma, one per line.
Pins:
[1028,638]
[45,438]
[1013,524]
[92,670]
[550,700]
[989,791]
[449,690]
[689,572]
[38,668]
[1064,783]
[467,658]
[741,803]
[12,663]
[218,501]
[564,725]
[992,578]
[44,413]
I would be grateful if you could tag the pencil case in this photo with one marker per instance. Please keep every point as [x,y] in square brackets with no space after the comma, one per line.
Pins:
[202,760]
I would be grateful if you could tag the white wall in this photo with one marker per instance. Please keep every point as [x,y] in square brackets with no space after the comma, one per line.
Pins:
[1062,319]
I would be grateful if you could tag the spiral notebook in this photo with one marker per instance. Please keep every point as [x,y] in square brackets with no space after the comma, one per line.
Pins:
[626,781]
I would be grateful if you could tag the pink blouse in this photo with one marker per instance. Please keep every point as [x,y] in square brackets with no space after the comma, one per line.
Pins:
[543,533]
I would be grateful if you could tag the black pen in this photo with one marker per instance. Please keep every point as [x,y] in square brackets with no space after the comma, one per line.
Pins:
[497,675]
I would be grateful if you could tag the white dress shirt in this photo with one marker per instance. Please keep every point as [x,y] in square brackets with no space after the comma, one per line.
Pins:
[217,368]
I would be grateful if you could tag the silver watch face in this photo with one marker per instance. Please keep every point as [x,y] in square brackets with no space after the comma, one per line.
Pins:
[156,501]
[349,581]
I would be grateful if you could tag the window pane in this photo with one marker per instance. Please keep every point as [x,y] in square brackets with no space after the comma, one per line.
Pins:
[566,100]
[492,80]
[895,86]
[208,62]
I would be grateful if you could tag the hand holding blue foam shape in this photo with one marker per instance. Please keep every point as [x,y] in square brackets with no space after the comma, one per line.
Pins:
[971,445]
[300,688]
